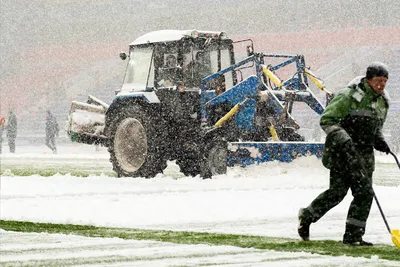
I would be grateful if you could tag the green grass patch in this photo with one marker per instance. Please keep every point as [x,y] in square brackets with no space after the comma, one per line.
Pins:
[51,171]
[323,247]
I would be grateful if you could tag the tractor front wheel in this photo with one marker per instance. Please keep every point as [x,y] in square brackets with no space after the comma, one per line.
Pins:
[134,147]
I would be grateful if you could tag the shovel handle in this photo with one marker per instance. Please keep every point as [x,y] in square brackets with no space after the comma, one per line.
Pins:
[397,160]
[383,215]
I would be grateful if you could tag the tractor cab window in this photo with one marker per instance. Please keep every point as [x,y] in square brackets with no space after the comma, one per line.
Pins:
[170,61]
[225,63]
[168,64]
[198,68]
[170,71]
[140,70]
[201,62]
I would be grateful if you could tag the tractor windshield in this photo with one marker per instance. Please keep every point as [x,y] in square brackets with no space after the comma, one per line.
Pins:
[201,63]
[137,75]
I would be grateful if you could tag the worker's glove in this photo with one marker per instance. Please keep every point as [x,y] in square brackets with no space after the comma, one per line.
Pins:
[352,160]
[382,146]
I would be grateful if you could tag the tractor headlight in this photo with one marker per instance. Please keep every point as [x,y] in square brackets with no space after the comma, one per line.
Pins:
[181,88]
[223,36]
[194,34]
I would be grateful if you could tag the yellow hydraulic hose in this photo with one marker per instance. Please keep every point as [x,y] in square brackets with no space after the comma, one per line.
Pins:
[231,112]
[273,132]
[272,76]
[234,110]
[320,84]
[315,80]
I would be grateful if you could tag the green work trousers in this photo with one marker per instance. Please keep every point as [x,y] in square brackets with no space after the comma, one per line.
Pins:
[362,191]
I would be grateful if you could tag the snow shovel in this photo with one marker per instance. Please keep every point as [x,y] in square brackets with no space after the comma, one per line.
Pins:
[395,232]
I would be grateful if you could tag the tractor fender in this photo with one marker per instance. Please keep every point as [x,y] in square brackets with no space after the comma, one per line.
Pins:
[149,97]
[122,100]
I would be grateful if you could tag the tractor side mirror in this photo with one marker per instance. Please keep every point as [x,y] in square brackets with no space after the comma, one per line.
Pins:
[239,74]
[123,55]
[250,50]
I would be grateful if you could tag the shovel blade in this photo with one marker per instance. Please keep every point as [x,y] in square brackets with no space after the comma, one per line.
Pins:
[396,237]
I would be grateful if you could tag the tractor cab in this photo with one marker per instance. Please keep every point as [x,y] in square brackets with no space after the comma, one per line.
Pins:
[177,59]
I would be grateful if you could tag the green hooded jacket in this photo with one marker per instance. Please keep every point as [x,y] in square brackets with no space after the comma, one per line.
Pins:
[357,113]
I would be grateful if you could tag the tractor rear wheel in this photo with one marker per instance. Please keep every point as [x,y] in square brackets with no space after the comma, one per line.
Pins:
[135,144]
[214,159]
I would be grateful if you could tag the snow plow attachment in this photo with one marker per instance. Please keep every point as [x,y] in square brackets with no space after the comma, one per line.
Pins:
[86,121]
[248,153]
[261,109]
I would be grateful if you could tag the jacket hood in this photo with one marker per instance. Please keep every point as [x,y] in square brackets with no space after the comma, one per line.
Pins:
[355,81]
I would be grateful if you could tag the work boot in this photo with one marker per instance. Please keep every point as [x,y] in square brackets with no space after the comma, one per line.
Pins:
[360,243]
[353,236]
[303,228]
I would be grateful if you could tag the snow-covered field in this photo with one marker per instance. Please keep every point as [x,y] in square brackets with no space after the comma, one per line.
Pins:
[258,200]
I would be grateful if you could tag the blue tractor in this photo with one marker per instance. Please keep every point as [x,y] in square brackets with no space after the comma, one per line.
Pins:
[186,98]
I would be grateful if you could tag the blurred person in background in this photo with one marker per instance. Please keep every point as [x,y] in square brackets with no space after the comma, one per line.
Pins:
[2,124]
[52,131]
[11,130]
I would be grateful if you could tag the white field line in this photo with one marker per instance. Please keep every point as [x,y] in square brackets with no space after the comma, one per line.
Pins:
[32,249]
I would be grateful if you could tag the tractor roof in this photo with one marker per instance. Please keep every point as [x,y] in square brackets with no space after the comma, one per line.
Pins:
[174,35]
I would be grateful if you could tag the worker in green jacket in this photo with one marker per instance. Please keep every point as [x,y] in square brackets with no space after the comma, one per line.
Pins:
[353,122]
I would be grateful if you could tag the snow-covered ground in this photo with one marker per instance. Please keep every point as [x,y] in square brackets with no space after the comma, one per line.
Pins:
[257,200]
